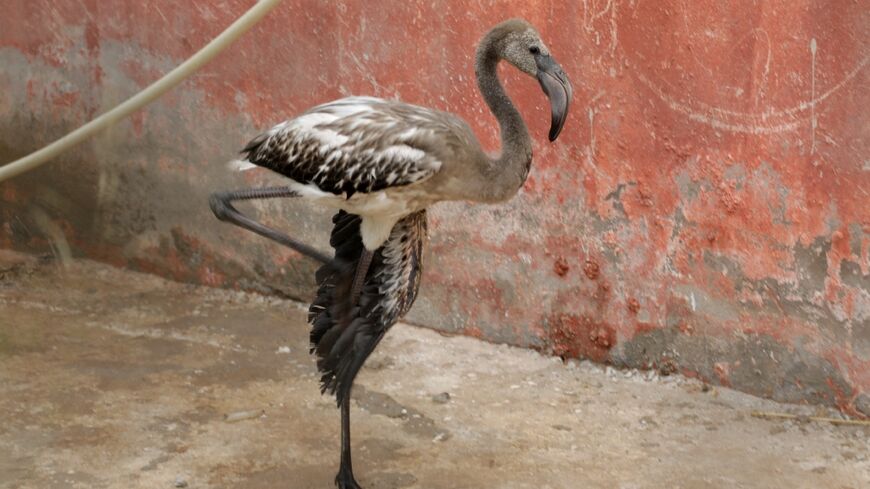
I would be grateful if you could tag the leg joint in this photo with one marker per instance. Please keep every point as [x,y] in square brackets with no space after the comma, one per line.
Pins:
[220,205]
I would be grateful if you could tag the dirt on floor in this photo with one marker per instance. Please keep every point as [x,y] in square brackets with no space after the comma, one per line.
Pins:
[114,379]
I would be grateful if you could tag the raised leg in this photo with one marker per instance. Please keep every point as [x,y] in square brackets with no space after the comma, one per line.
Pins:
[221,205]
[344,479]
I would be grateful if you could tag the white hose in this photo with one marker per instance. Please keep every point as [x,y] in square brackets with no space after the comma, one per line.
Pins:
[156,89]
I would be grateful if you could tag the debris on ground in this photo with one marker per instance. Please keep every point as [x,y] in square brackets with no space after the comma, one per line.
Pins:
[442,398]
[243,415]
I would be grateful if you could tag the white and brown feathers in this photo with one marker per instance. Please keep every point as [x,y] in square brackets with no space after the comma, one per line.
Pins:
[389,291]
[382,160]
[357,145]
[345,153]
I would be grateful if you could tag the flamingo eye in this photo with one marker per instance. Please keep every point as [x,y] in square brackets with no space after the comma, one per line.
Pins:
[535,50]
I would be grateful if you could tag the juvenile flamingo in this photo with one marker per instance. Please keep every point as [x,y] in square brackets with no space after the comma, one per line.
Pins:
[381,163]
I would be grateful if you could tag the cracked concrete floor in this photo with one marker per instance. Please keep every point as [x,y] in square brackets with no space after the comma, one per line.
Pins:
[113,379]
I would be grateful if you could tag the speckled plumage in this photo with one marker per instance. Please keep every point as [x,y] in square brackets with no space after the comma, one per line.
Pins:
[358,145]
[372,157]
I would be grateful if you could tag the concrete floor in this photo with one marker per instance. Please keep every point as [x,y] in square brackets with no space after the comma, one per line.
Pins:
[113,379]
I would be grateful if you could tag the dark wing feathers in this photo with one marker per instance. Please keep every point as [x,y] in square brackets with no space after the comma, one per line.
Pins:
[388,292]
[359,144]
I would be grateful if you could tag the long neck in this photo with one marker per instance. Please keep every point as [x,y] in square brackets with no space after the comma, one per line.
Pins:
[507,172]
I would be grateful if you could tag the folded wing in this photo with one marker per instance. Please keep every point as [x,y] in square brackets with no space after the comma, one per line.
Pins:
[356,145]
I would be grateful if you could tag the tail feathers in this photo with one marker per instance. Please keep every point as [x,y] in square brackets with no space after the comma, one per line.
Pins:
[249,153]
[241,165]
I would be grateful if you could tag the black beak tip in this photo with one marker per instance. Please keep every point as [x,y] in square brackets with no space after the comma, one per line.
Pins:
[558,122]
[558,89]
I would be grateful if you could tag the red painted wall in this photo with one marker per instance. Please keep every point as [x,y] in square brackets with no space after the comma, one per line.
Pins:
[705,209]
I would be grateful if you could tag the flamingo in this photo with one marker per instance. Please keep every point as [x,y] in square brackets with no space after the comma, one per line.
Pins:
[381,164]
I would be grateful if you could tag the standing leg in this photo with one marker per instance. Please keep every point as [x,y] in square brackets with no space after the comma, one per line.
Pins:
[344,479]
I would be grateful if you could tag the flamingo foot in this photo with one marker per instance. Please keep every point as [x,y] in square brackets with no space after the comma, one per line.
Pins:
[345,480]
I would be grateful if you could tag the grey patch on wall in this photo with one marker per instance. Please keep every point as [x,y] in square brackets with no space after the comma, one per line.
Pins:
[756,364]
[794,300]
[811,265]
[862,403]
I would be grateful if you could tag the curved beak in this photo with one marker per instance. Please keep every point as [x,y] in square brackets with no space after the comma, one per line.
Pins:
[555,84]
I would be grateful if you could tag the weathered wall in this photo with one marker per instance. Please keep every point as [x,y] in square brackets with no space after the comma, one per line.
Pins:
[706,209]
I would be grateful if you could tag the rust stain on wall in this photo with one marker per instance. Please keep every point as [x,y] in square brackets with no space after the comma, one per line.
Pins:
[704,211]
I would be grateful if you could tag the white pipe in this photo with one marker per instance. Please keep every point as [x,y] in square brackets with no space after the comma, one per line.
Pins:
[156,89]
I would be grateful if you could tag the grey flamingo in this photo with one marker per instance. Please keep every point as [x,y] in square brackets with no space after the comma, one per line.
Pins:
[381,163]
